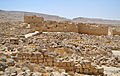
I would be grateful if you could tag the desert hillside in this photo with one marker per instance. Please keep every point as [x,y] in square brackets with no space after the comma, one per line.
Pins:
[19,16]
[96,20]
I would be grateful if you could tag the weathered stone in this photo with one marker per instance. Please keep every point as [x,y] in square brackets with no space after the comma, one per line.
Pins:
[3,58]
[11,70]
[49,69]
[3,66]
[13,74]
[10,62]
[64,74]
[51,74]
[1,73]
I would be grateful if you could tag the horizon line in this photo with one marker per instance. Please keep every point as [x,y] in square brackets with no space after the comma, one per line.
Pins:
[62,16]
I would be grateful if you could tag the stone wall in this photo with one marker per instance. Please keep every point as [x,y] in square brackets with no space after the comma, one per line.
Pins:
[84,67]
[92,29]
[33,19]
[116,31]
[38,23]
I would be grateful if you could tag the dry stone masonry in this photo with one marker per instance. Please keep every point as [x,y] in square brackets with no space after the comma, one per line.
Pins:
[84,67]
[38,47]
[83,28]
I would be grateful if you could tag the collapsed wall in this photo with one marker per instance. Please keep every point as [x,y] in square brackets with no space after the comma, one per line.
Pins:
[92,29]
[38,24]
[116,31]
[84,67]
[33,19]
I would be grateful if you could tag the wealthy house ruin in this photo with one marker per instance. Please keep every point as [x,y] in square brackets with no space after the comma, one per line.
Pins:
[84,28]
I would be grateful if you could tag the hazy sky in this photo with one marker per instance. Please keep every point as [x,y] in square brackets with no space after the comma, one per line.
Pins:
[107,9]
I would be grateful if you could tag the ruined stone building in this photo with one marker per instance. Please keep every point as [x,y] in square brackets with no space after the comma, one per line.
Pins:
[38,23]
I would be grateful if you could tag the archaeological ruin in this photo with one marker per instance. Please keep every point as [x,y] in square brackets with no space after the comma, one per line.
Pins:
[83,28]
[39,47]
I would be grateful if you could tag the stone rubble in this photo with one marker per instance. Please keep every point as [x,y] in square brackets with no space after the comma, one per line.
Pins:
[55,53]
[43,53]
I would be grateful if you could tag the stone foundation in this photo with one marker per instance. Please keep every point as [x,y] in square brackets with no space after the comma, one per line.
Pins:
[84,67]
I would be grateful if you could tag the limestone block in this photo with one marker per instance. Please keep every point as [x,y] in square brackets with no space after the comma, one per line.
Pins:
[77,70]
[81,70]
[68,64]
[19,55]
[60,50]
[28,55]
[35,60]
[101,71]
[58,64]
[50,63]
[38,54]
[64,64]
[95,71]
[23,54]
[34,57]
[32,60]
[71,63]
[27,58]
[19,58]
[40,57]
[49,59]
[45,59]
[84,66]
[23,58]
[45,55]
[91,71]
[14,40]
[13,54]
[62,67]
[45,63]
[67,69]
[32,54]
[55,64]
[87,64]
[10,62]
[71,68]
[40,60]
[93,67]
[76,66]
[86,71]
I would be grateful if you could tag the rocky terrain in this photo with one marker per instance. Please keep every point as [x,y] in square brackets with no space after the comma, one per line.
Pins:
[56,53]
[36,46]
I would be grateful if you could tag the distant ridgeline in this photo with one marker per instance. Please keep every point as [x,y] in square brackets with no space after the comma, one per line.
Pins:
[39,24]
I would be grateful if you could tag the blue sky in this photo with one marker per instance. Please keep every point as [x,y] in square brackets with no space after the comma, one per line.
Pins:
[106,9]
